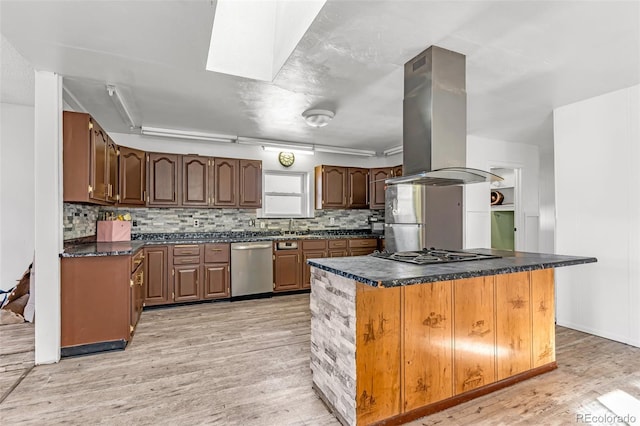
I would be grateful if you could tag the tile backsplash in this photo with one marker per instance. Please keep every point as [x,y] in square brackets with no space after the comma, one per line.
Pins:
[80,220]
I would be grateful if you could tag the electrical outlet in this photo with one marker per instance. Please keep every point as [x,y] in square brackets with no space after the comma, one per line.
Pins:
[196,222]
[263,225]
[332,221]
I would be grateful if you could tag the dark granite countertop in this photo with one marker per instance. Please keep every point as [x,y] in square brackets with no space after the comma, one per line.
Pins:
[379,272]
[141,240]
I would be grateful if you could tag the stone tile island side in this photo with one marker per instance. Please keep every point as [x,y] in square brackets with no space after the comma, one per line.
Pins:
[389,349]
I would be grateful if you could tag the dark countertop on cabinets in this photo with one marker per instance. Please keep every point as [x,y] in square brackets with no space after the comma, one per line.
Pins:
[379,272]
[139,241]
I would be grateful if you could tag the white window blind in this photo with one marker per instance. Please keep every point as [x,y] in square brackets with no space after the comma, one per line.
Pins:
[285,194]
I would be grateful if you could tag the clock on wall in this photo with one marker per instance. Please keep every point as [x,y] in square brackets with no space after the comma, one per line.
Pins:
[286,158]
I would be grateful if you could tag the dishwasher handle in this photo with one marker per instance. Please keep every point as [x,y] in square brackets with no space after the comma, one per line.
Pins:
[250,246]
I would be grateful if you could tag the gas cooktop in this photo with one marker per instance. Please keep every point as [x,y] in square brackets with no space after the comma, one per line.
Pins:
[432,255]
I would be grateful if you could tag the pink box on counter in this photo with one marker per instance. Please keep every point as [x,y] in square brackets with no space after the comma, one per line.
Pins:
[113,230]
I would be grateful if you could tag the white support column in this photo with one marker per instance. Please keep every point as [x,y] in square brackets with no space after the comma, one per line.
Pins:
[48,215]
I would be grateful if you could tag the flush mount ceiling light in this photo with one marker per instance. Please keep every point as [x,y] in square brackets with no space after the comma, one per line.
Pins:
[318,117]
[186,134]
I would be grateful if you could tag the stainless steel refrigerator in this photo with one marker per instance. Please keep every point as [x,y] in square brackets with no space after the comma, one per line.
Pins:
[423,216]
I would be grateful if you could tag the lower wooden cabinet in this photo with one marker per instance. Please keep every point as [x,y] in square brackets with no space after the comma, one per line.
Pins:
[156,272]
[287,270]
[186,286]
[187,273]
[100,299]
[290,268]
[215,281]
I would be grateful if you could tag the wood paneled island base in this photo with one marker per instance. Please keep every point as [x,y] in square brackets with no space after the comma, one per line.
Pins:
[391,355]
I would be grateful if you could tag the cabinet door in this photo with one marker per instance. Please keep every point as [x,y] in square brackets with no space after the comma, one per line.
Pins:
[112,171]
[397,171]
[186,279]
[99,142]
[163,179]
[474,328]
[306,269]
[225,182]
[195,180]
[287,270]
[250,183]
[428,335]
[216,280]
[377,186]
[513,324]
[132,176]
[338,252]
[362,251]
[543,317]
[358,188]
[156,274]
[136,296]
[334,187]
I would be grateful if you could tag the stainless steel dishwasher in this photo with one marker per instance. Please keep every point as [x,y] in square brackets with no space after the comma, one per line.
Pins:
[251,268]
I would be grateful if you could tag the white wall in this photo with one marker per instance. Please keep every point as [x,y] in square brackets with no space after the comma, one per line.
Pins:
[597,178]
[483,154]
[17,190]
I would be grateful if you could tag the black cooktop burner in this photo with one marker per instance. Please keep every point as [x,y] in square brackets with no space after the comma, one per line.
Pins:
[432,255]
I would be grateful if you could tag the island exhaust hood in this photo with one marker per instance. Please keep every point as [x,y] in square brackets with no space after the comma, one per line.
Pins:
[435,122]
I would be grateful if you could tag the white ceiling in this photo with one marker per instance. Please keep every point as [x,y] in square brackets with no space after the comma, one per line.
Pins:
[524,58]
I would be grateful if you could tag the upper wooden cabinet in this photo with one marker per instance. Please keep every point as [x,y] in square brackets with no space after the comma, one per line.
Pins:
[358,188]
[132,177]
[195,181]
[225,182]
[377,185]
[88,174]
[341,187]
[250,183]
[163,179]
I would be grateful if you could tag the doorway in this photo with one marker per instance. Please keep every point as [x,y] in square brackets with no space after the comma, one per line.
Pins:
[505,197]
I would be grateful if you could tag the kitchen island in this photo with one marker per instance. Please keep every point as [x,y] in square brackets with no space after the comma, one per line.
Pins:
[392,342]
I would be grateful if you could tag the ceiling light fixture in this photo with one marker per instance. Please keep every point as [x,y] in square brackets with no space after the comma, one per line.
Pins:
[121,106]
[281,149]
[318,117]
[346,151]
[186,134]
[280,145]
[392,151]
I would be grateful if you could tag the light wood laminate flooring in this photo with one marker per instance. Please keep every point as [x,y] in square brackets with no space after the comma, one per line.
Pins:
[247,363]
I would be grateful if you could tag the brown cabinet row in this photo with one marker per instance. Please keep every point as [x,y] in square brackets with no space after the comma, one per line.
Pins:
[187,273]
[291,271]
[340,187]
[96,170]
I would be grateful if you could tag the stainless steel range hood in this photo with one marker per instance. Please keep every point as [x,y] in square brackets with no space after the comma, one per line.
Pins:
[435,122]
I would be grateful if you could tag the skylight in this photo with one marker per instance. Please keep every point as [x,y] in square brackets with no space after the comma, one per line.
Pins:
[254,38]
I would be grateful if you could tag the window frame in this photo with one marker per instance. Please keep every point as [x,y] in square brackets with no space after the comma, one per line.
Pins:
[305,195]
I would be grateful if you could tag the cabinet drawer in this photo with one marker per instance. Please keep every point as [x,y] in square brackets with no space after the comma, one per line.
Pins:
[314,245]
[216,253]
[186,260]
[337,244]
[370,242]
[137,260]
[186,250]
